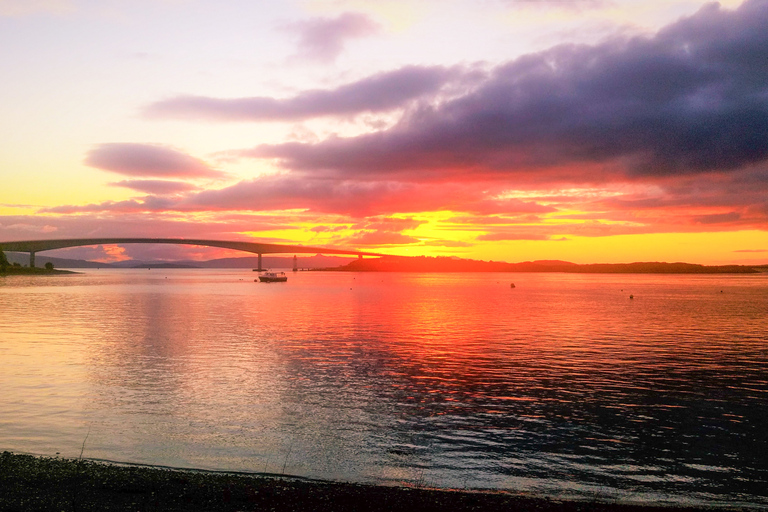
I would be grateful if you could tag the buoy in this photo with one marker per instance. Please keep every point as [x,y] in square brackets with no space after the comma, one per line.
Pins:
[631,296]
[512,285]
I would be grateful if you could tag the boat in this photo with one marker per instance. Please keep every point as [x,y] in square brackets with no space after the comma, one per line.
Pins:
[273,277]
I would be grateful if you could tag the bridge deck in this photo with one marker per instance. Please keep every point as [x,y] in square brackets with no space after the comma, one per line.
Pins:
[34,246]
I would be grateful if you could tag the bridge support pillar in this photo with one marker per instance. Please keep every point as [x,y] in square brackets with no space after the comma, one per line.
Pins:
[295,263]
[359,256]
[31,259]
[259,267]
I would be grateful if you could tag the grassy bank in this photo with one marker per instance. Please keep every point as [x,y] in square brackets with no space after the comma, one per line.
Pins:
[32,271]
[30,483]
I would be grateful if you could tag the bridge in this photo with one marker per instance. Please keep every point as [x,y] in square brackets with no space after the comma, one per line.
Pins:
[35,246]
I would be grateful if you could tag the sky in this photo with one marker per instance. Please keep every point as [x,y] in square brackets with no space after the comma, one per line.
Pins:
[592,131]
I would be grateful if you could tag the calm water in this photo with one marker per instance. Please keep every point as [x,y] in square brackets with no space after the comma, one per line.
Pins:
[562,386]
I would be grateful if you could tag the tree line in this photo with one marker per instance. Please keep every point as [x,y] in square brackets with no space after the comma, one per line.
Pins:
[5,264]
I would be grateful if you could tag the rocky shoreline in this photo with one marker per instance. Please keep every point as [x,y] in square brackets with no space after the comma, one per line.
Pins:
[29,483]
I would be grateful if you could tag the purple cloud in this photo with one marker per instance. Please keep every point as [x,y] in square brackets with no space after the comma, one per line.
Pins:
[718,218]
[159,187]
[378,93]
[323,39]
[148,160]
[691,99]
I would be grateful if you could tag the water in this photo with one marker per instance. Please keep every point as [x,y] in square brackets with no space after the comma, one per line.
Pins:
[562,386]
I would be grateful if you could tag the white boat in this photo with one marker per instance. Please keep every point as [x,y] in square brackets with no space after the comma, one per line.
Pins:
[273,277]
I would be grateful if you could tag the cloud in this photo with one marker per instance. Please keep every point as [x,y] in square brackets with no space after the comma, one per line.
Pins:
[126,224]
[146,204]
[323,39]
[148,160]
[502,236]
[447,243]
[356,198]
[284,192]
[379,238]
[159,187]
[576,5]
[691,99]
[378,93]
[718,218]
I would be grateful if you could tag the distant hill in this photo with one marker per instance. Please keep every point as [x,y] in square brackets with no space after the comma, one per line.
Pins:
[405,264]
[22,258]
[440,264]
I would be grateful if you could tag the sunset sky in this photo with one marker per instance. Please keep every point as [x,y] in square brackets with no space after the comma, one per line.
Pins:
[580,130]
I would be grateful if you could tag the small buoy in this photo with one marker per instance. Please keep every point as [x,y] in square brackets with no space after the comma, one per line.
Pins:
[631,296]
[512,285]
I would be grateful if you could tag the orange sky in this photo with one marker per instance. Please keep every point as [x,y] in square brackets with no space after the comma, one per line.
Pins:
[583,131]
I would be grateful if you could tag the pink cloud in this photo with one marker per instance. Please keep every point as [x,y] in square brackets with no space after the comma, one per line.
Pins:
[378,93]
[159,187]
[158,225]
[323,39]
[148,160]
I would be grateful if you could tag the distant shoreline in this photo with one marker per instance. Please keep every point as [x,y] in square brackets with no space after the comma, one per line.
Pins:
[41,483]
[423,264]
[33,271]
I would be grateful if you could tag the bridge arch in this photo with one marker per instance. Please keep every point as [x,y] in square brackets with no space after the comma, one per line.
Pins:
[35,246]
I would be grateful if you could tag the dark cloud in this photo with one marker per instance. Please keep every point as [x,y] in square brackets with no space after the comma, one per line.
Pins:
[718,218]
[323,39]
[378,93]
[148,160]
[159,187]
[691,99]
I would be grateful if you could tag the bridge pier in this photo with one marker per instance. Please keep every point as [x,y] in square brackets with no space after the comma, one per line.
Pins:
[259,266]
[295,264]
[31,259]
